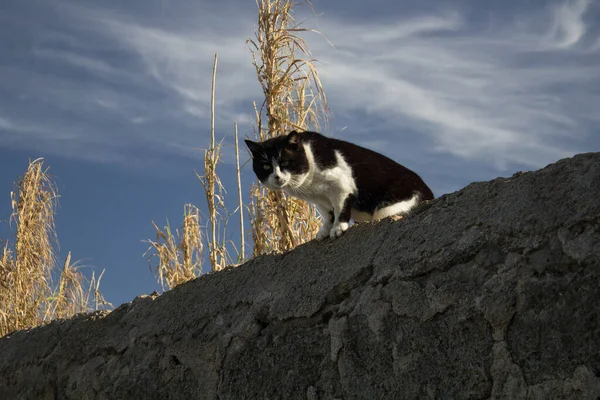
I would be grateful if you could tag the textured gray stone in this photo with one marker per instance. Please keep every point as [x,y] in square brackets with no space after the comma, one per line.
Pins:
[489,292]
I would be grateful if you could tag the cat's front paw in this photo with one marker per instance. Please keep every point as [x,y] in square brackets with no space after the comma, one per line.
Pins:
[323,233]
[338,230]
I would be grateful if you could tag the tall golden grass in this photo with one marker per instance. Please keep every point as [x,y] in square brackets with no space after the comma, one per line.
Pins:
[294,99]
[28,296]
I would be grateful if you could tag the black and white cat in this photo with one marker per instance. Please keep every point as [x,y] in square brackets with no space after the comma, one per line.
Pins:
[343,180]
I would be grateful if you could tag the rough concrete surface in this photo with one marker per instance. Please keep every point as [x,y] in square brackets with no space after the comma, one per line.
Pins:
[489,292]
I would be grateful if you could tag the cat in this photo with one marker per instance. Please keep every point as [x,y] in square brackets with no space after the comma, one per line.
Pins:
[345,181]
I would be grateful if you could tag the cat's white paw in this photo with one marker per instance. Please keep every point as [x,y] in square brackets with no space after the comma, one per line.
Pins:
[323,233]
[338,230]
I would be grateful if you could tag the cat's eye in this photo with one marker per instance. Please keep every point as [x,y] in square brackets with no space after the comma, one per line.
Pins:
[284,164]
[266,167]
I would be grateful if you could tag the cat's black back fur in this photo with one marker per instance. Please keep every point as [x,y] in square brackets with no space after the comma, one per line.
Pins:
[380,180]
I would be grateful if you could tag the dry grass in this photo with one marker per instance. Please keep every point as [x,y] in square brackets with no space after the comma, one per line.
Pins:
[27,294]
[240,210]
[294,99]
[75,294]
[180,254]
[215,192]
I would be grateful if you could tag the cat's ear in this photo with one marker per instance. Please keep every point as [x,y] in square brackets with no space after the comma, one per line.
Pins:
[254,147]
[293,138]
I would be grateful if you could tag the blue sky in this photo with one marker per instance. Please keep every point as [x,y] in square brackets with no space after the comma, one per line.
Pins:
[116,97]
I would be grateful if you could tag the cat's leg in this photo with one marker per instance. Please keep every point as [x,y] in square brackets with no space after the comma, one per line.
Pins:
[327,215]
[342,209]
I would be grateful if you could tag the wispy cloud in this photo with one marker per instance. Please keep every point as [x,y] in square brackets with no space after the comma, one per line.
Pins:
[522,89]
[77,60]
[79,81]
[489,95]
[179,57]
[568,26]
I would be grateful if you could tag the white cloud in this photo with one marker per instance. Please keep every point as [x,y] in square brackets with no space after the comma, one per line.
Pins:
[182,59]
[178,62]
[480,95]
[568,26]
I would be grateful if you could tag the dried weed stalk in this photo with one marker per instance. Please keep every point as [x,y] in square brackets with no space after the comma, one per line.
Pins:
[242,251]
[294,99]
[215,192]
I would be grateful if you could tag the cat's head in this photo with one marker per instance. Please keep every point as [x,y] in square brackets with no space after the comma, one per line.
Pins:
[280,161]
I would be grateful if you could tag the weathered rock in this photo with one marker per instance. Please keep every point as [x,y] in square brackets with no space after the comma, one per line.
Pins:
[489,292]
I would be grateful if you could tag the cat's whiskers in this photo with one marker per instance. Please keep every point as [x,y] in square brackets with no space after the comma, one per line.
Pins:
[298,183]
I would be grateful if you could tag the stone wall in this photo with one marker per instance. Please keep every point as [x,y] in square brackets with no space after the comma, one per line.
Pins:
[489,292]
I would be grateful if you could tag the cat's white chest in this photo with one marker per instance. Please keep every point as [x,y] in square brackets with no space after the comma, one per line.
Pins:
[324,186]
